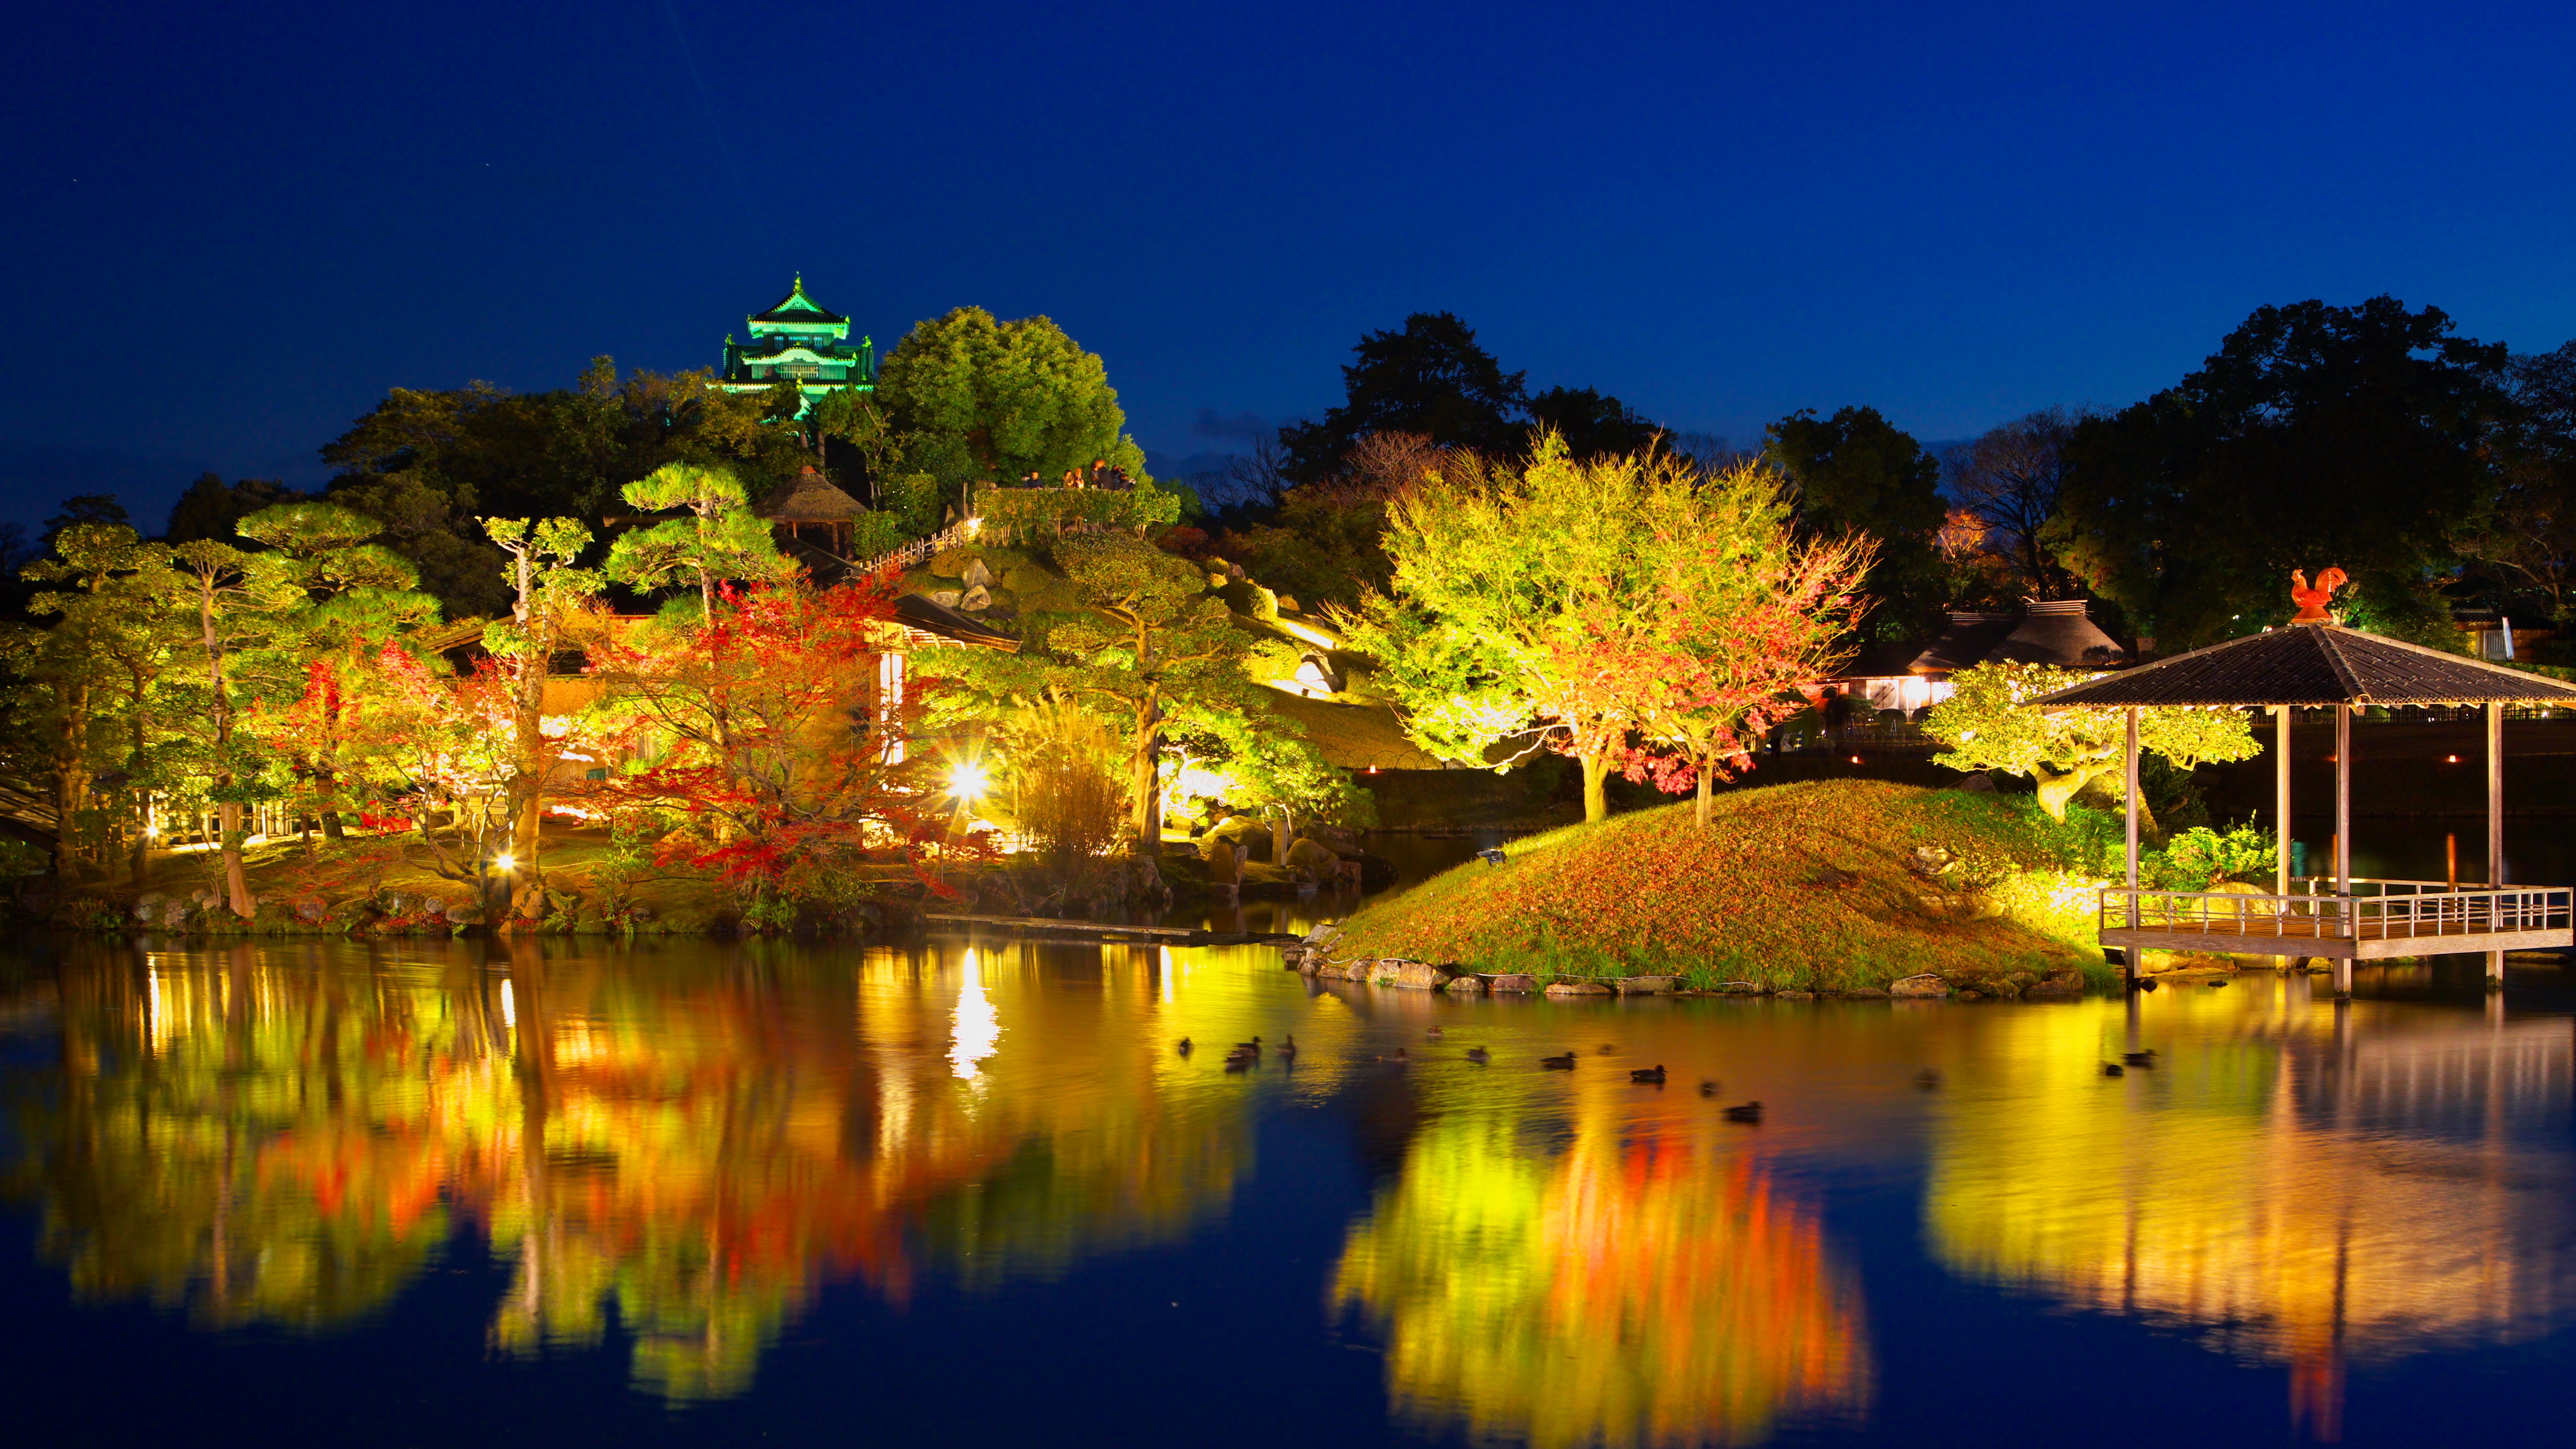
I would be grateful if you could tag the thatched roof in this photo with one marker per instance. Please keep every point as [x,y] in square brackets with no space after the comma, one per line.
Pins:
[2313,665]
[2059,632]
[811,498]
[1964,643]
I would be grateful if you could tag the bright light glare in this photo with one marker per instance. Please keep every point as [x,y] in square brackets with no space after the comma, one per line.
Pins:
[967,781]
[505,860]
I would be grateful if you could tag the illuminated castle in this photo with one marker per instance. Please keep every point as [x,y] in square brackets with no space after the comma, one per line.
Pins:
[799,339]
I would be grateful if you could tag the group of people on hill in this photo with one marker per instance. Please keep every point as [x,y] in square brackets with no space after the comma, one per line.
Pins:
[1100,475]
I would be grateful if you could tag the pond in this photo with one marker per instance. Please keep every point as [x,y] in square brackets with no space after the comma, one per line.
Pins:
[968,1192]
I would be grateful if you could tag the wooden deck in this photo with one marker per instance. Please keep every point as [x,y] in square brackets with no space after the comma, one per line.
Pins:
[2379,920]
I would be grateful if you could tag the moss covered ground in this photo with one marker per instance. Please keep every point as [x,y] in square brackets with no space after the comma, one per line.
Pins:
[1807,886]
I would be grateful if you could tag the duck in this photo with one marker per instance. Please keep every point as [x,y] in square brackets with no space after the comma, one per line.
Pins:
[1432,1035]
[1399,1059]
[1479,1055]
[1608,1047]
[2114,1069]
[1288,1048]
[1238,1062]
[1185,1046]
[1253,1046]
[2146,986]
[1927,1079]
[1654,1074]
[1744,1112]
[1563,1063]
[1708,1089]
[2145,1058]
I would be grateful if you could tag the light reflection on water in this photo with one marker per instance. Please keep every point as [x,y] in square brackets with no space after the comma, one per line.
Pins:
[672,1151]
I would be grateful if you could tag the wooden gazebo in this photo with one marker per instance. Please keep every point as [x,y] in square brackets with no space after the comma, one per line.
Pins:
[2315,663]
[810,500]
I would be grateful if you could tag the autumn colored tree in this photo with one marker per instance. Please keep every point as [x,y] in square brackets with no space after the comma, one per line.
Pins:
[1988,725]
[1523,597]
[360,594]
[1742,611]
[770,738]
[550,599]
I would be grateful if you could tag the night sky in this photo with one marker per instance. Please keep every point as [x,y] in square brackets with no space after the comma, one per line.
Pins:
[230,228]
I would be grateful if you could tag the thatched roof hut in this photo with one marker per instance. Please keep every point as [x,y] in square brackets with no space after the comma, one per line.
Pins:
[810,498]
[2058,631]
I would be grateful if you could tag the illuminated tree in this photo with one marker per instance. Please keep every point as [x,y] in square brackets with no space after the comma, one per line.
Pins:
[980,399]
[1569,604]
[1988,727]
[360,595]
[241,606]
[106,618]
[549,599]
[718,539]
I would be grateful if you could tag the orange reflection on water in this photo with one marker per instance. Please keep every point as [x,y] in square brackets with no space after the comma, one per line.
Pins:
[2290,1185]
[1648,1284]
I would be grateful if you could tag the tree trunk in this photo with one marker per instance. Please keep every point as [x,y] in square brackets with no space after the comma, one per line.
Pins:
[1699,812]
[1145,783]
[2057,791]
[1596,794]
[228,821]
[1279,834]
[71,778]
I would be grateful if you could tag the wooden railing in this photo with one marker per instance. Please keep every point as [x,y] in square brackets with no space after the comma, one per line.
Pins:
[912,553]
[2392,910]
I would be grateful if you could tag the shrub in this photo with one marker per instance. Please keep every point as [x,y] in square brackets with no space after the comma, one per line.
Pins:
[1068,786]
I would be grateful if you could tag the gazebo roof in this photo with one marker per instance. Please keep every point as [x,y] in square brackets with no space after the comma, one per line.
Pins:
[2312,665]
[811,498]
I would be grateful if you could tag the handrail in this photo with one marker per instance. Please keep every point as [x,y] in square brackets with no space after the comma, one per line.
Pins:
[954,534]
[2489,910]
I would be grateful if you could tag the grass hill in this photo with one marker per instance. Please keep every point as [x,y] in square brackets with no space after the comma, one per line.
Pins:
[1809,886]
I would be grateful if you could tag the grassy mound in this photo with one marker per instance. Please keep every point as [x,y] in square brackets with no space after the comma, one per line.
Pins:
[1802,886]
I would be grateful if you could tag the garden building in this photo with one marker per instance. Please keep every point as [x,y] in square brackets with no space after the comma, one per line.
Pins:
[1913,676]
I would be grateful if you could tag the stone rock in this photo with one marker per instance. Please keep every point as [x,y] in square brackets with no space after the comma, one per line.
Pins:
[1645,985]
[1926,984]
[1967,995]
[1418,975]
[1577,988]
[1979,783]
[2052,991]
[463,913]
[147,906]
[1315,856]
[2238,910]
[1928,860]
[946,598]
[311,908]
[975,600]
[1510,981]
[976,575]
[1863,993]
[1323,933]
[1465,984]
[1795,995]
[2064,976]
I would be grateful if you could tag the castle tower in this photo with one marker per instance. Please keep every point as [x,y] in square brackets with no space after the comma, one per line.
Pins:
[799,339]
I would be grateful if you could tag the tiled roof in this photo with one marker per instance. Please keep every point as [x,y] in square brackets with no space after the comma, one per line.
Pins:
[2313,664]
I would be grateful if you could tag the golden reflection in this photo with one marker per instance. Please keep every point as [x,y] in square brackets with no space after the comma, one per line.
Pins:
[2295,1191]
[1647,1284]
[686,1145]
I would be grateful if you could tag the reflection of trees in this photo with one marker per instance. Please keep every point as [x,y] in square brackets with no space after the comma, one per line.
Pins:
[684,1145]
[2315,1199]
[1643,1287]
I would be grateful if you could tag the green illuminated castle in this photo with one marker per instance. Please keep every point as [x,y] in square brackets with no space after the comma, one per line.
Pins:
[799,339]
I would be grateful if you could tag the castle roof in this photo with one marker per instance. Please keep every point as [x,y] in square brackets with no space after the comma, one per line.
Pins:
[797,307]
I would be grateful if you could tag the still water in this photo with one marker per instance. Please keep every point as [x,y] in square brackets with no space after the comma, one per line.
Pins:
[967,1192]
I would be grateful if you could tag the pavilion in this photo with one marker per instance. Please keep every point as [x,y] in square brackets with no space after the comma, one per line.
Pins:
[2314,663]
[810,500]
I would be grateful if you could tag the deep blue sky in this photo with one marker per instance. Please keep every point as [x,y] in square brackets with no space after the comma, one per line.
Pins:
[230,228]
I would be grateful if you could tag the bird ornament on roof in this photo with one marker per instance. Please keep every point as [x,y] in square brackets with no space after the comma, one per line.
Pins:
[2312,602]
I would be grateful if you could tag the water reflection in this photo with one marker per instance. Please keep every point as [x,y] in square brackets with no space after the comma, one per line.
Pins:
[1644,1283]
[687,1145]
[2293,1184]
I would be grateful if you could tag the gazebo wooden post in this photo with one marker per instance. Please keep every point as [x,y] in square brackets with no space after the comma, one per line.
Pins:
[2345,919]
[2281,811]
[2495,824]
[2130,966]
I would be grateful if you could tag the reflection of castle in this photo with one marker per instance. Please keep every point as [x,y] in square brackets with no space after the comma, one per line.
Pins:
[287,1135]
[2305,1197]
